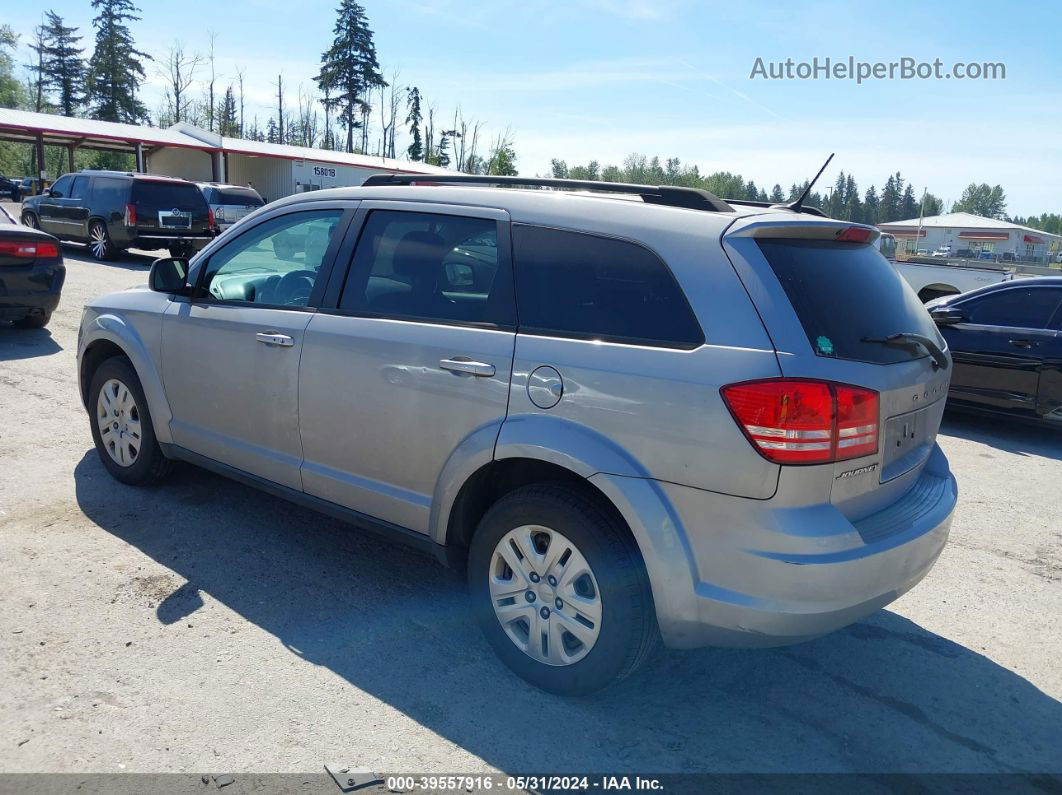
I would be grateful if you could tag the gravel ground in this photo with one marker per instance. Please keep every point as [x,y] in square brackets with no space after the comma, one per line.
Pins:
[205,626]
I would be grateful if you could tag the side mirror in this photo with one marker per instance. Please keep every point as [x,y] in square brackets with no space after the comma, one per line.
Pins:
[52,194]
[169,275]
[947,315]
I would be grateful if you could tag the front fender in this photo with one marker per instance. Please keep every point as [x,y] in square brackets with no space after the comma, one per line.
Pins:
[115,328]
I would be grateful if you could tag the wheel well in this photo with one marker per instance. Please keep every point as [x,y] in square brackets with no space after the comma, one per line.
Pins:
[493,481]
[95,355]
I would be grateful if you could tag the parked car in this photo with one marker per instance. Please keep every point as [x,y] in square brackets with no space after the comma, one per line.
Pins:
[932,280]
[11,188]
[112,211]
[1006,342]
[625,419]
[922,252]
[985,254]
[31,274]
[26,186]
[941,251]
[966,253]
[230,203]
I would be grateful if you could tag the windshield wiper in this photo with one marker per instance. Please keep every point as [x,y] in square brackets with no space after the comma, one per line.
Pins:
[907,339]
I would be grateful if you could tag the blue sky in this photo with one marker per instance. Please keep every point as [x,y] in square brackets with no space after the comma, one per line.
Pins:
[583,79]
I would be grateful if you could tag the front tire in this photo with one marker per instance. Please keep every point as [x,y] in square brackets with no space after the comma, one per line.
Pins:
[30,220]
[560,590]
[100,242]
[121,425]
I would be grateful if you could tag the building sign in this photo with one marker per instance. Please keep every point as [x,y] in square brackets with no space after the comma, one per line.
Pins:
[322,171]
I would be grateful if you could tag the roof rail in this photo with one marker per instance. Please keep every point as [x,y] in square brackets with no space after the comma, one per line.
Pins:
[801,209]
[669,195]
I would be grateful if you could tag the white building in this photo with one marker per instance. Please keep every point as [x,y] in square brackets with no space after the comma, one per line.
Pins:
[184,150]
[971,235]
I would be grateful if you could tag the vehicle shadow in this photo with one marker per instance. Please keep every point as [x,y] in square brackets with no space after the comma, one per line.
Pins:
[125,260]
[1003,433]
[21,343]
[885,695]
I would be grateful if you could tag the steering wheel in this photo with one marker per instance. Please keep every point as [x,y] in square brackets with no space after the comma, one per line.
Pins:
[294,288]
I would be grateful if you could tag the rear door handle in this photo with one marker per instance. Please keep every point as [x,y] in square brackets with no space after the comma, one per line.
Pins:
[462,365]
[280,340]
[1023,343]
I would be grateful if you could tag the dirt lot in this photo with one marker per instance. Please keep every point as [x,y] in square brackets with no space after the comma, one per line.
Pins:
[204,626]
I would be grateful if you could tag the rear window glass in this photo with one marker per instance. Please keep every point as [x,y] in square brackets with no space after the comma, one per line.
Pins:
[845,292]
[578,285]
[242,196]
[167,195]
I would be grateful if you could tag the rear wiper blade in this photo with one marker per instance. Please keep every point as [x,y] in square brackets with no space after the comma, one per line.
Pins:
[907,339]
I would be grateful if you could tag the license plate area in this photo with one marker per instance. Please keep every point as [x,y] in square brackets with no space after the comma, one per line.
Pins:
[171,219]
[906,443]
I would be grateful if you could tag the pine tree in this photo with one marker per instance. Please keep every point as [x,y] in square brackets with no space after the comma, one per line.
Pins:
[414,118]
[777,196]
[64,68]
[909,205]
[115,70]
[349,68]
[227,119]
[870,206]
[889,207]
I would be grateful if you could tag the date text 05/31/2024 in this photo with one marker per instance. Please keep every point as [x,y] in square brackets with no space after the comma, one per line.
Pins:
[522,783]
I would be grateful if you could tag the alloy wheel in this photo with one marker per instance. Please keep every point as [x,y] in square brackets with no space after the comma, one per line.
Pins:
[99,242]
[118,419]
[545,595]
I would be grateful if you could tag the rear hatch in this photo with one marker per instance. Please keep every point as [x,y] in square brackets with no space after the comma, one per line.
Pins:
[829,300]
[166,207]
[233,203]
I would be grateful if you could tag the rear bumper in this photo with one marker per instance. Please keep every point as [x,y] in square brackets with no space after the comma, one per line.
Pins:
[29,290]
[766,576]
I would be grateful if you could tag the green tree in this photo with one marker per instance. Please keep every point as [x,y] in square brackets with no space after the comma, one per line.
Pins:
[349,68]
[502,159]
[910,207]
[414,119]
[990,202]
[889,207]
[870,206]
[63,66]
[115,71]
[12,94]
[559,169]
[227,119]
[777,197]
[932,205]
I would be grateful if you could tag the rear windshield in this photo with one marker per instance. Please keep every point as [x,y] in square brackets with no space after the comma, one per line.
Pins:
[243,196]
[168,195]
[845,292]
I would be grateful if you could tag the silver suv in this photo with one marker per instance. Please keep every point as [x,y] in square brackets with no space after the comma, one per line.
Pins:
[631,416]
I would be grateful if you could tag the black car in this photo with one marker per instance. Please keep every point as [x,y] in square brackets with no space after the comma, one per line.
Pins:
[114,210]
[1006,345]
[31,273]
[12,188]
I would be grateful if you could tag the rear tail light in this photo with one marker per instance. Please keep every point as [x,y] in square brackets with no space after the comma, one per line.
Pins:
[854,234]
[130,215]
[210,219]
[793,421]
[28,249]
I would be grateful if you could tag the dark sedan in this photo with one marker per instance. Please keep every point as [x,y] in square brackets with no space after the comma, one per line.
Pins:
[31,273]
[1006,344]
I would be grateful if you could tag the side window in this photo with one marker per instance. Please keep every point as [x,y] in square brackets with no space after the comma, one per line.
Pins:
[110,193]
[274,263]
[61,188]
[585,286]
[427,266]
[1031,307]
[80,188]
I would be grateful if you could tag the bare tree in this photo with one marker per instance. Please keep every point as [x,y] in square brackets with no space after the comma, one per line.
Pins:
[179,70]
[390,105]
[280,108]
[307,119]
[210,103]
[240,72]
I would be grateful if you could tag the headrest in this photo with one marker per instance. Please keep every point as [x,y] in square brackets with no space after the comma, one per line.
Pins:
[418,253]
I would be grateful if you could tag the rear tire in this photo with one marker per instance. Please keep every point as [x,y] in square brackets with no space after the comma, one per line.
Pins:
[614,637]
[100,244]
[121,425]
[40,320]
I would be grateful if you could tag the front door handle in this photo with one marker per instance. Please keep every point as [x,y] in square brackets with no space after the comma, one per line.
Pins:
[1023,343]
[270,338]
[463,365]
